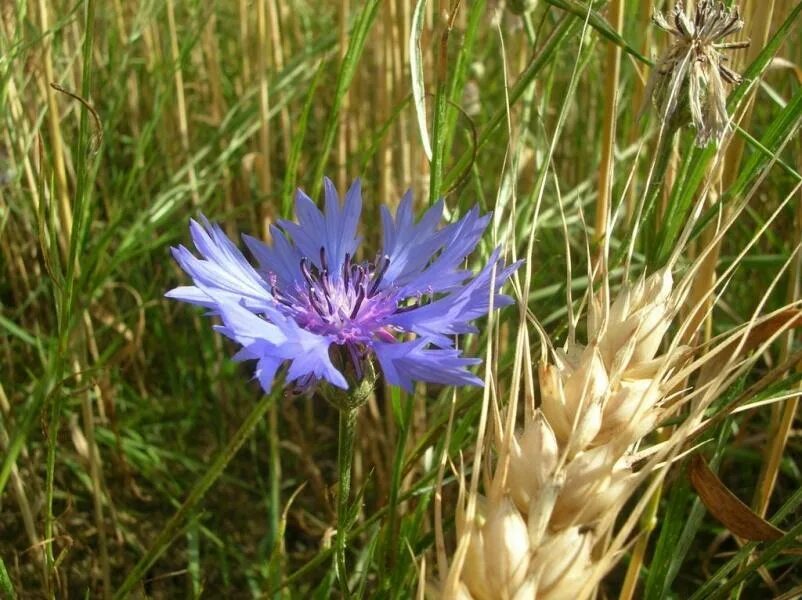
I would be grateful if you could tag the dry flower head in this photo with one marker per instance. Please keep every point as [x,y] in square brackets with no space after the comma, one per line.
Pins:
[691,75]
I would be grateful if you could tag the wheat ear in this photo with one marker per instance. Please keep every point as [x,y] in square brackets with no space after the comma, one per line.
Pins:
[534,533]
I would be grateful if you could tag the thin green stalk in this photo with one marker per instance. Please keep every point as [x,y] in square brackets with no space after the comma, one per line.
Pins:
[67,296]
[177,521]
[565,27]
[391,542]
[440,126]
[650,214]
[50,467]
[275,493]
[345,456]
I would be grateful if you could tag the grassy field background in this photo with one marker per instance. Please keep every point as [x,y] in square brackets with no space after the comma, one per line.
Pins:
[122,120]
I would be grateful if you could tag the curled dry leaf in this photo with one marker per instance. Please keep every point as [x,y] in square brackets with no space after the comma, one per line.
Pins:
[726,507]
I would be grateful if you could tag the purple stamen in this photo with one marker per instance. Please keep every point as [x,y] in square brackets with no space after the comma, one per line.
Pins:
[379,275]
[359,298]
[314,300]
[347,270]
[305,271]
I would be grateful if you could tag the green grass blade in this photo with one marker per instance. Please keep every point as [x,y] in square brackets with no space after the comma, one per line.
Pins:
[352,54]
[416,71]
[565,27]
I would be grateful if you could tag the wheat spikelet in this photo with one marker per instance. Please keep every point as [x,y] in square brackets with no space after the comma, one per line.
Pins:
[535,533]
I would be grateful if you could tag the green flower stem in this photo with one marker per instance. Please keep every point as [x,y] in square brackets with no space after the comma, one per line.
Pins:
[173,527]
[348,403]
[345,456]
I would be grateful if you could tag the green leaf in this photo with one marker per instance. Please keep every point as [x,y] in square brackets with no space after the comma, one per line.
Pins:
[5,582]
[416,71]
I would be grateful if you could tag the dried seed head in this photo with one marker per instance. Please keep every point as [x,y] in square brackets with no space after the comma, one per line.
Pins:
[689,78]
[570,468]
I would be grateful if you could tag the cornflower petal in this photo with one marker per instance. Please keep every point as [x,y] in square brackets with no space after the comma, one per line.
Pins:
[276,340]
[223,269]
[406,362]
[410,245]
[410,248]
[341,224]
[459,241]
[452,313]
[280,260]
[338,227]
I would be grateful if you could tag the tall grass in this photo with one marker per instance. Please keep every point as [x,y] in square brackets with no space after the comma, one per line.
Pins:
[138,460]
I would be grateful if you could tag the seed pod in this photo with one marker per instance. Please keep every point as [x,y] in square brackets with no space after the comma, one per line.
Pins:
[463,593]
[541,509]
[642,312]
[553,401]
[587,428]
[587,383]
[473,570]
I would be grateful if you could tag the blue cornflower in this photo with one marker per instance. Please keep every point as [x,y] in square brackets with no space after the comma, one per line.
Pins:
[313,304]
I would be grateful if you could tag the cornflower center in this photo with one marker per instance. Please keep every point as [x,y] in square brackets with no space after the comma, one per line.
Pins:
[348,304]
